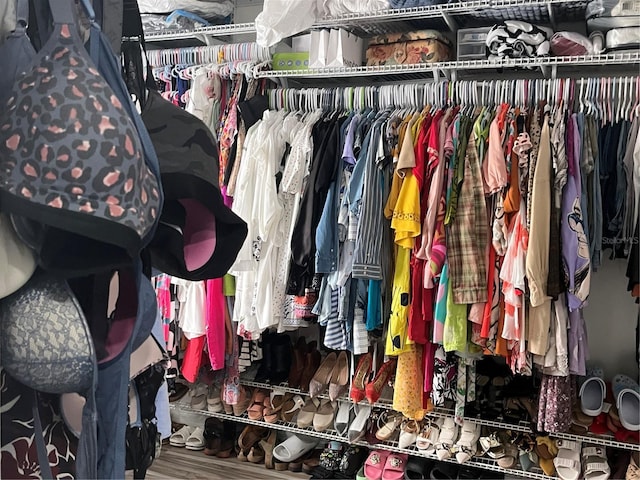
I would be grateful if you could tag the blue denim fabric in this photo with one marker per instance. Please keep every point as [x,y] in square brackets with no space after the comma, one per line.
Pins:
[112,395]
[327,248]
[357,177]
[327,233]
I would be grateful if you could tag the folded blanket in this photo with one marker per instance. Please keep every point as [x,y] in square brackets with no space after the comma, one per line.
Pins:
[516,39]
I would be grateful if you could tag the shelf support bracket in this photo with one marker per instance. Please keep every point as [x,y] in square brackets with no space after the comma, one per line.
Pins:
[209,40]
[450,21]
[552,16]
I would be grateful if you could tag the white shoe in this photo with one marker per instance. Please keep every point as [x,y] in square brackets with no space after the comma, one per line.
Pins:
[467,445]
[195,440]
[179,438]
[447,438]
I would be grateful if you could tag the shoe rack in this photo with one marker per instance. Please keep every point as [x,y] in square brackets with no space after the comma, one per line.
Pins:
[478,462]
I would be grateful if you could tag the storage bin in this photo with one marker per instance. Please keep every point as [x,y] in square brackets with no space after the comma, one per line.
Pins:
[472,51]
[424,46]
[471,43]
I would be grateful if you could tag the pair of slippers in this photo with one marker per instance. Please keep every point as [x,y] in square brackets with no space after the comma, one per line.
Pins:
[626,393]
[384,465]
[189,438]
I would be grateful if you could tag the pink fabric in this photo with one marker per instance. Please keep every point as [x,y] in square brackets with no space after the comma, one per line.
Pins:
[494,170]
[193,359]
[199,234]
[215,321]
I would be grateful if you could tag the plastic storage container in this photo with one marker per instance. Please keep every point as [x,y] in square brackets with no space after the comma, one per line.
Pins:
[471,43]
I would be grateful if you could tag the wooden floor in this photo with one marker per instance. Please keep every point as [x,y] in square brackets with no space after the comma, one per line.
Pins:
[180,463]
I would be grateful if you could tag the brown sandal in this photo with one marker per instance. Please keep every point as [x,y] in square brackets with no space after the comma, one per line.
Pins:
[250,436]
[267,445]
[256,455]
[290,408]
[258,399]
[244,400]
[271,411]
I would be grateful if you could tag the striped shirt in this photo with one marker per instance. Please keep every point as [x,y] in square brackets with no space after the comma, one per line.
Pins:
[367,262]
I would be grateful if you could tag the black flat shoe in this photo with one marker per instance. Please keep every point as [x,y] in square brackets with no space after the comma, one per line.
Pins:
[418,468]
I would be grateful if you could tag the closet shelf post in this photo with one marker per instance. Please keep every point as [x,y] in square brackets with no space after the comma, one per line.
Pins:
[450,21]
[552,16]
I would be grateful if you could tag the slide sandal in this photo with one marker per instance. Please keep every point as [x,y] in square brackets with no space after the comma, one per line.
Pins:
[567,462]
[179,438]
[595,464]
[294,447]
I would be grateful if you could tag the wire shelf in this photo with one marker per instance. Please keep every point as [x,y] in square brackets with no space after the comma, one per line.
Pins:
[478,462]
[213,31]
[462,13]
[332,435]
[284,426]
[605,440]
[630,59]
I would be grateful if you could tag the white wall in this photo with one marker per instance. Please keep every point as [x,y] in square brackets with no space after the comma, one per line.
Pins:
[611,319]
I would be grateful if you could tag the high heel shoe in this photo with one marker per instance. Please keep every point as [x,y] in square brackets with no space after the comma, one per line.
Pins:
[339,377]
[360,378]
[320,380]
[373,390]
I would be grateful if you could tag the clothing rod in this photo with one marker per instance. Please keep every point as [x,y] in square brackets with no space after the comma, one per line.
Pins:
[619,94]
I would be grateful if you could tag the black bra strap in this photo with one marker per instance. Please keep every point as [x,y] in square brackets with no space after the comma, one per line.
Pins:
[63,11]
[41,448]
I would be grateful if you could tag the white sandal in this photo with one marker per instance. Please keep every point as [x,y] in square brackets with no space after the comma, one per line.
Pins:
[408,433]
[428,436]
[195,440]
[567,462]
[179,438]
[447,438]
[595,465]
[387,424]
[467,445]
